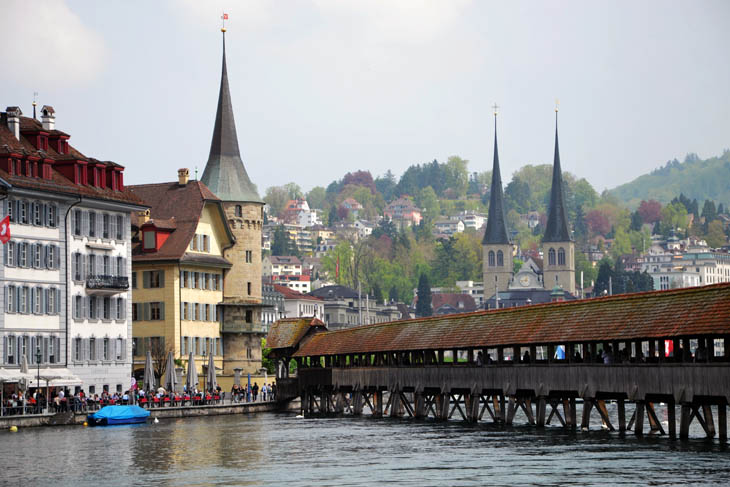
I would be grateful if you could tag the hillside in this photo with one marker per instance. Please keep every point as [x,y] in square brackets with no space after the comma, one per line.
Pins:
[695,178]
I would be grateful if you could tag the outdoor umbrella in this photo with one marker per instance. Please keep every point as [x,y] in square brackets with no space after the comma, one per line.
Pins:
[211,373]
[24,371]
[192,375]
[170,379]
[149,373]
[248,389]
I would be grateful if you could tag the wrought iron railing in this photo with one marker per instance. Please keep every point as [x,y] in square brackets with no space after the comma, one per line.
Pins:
[107,282]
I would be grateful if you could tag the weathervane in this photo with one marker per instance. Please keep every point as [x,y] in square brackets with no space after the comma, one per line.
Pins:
[224,17]
[495,107]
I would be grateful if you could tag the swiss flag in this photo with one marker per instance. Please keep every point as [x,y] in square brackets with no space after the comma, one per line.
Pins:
[5,230]
[225,16]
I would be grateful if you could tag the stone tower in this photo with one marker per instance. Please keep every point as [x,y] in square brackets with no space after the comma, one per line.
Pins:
[557,246]
[226,177]
[496,244]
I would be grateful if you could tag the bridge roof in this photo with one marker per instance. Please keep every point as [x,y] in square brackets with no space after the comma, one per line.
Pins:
[288,332]
[673,313]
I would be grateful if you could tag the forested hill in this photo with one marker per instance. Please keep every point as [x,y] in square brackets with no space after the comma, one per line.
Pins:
[695,178]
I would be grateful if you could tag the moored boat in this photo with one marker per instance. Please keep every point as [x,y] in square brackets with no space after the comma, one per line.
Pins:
[111,415]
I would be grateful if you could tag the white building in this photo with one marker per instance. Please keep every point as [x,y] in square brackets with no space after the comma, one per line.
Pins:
[448,226]
[309,218]
[298,304]
[471,219]
[364,229]
[49,276]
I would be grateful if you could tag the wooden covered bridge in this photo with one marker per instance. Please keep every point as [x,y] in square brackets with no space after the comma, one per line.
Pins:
[657,347]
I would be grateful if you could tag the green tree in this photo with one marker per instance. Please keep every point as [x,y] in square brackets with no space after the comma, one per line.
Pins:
[266,362]
[282,244]
[604,278]
[293,190]
[276,197]
[715,235]
[456,176]
[427,200]
[621,244]
[590,273]
[423,305]
[317,197]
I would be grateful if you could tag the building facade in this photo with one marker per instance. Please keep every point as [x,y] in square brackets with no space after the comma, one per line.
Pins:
[66,267]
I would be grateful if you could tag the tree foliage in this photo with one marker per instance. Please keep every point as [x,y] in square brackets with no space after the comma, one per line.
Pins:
[423,305]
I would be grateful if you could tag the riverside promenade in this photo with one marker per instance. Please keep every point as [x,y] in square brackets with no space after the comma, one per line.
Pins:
[226,407]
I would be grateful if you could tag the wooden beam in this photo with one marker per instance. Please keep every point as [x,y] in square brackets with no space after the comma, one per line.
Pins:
[511,410]
[586,420]
[603,412]
[707,410]
[671,420]
[621,415]
[541,412]
[722,421]
[654,423]
[639,427]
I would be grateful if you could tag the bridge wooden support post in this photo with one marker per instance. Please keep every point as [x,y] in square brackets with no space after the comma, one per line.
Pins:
[499,408]
[340,402]
[709,422]
[357,403]
[569,419]
[672,420]
[396,405]
[471,403]
[378,404]
[586,420]
[324,402]
[722,421]
[511,410]
[541,411]
[621,415]
[685,420]
[639,419]
[419,407]
[442,406]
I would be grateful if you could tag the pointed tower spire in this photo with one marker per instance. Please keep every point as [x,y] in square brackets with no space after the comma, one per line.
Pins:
[224,172]
[496,232]
[557,224]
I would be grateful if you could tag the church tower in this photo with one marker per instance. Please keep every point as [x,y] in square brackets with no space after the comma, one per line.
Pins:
[557,246]
[497,249]
[226,177]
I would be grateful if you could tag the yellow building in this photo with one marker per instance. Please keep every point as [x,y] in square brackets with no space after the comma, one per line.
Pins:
[178,271]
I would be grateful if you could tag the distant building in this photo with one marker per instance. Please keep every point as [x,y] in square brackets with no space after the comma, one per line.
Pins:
[343,309]
[273,302]
[471,219]
[364,228]
[448,227]
[297,304]
[450,303]
[353,206]
[403,213]
[278,265]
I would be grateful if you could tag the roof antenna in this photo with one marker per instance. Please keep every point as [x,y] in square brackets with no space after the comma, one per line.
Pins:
[35,95]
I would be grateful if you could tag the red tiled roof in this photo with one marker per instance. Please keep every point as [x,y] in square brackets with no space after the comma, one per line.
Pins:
[453,300]
[292,294]
[58,182]
[679,312]
[172,203]
[288,332]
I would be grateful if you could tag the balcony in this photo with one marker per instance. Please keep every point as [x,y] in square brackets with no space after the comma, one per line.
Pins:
[107,285]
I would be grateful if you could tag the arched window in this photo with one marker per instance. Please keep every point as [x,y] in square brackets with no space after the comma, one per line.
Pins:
[500,259]
[491,258]
[561,256]
[239,210]
[551,257]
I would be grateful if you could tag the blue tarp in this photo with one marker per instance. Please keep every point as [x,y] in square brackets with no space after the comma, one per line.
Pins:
[120,413]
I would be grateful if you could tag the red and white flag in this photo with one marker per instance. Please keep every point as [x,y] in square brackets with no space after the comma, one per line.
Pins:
[225,17]
[5,230]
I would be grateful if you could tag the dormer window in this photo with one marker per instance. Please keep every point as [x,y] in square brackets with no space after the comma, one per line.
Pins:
[148,241]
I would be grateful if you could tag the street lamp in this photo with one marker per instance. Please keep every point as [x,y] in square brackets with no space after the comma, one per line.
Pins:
[38,385]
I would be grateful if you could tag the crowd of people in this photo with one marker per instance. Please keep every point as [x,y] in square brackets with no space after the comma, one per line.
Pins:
[61,400]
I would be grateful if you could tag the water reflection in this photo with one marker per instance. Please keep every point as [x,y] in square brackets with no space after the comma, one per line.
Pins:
[270,449]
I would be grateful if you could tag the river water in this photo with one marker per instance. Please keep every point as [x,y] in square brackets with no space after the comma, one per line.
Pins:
[280,449]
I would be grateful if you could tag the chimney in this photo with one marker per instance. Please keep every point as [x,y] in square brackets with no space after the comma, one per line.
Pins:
[48,117]
[13,114]
[144,216]
[183,175]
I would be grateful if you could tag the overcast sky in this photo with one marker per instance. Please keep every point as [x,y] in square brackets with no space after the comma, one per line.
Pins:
[322,87]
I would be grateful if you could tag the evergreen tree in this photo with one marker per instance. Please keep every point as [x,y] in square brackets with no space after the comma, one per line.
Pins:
[393,293]
[377,293]
[636,221]
[605,275]
[423,305]
[332,216]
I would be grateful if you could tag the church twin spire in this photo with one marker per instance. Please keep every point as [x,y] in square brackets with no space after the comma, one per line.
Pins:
[496,232]
[557,224]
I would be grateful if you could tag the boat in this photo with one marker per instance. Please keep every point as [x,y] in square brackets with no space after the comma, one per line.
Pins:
[112,415]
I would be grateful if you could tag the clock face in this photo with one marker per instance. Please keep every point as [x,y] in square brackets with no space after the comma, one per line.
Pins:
[525,281]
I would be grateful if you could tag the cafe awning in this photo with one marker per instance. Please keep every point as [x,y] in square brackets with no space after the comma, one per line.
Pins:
[53,377]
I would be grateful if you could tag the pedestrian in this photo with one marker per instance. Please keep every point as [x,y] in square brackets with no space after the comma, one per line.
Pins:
[255,390]
[273,391]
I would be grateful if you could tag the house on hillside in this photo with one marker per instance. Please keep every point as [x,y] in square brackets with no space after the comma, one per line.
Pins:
[403,213]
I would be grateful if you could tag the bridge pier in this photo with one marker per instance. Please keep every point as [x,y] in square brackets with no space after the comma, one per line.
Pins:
[357,403]
[442,406]
[471,403]
[420,405]
[378,404]
[541,406]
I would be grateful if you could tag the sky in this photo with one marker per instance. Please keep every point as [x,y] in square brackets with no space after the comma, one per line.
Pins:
[323,87]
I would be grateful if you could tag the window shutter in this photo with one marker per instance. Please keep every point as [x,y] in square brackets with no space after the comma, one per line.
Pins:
[58,301]
[14,260]
[5,255]
[45,349]
[112,226]
[85,223]
[162,278]
[162,310]
[74,311]
[146,279]
[74,265]
[123,316]
[213,311]
[5,350]
[146,311]
[32,299]
[40,296]
[45,215]
[57,255]
[84,307]
[99,348]
[83,262]
[124,349]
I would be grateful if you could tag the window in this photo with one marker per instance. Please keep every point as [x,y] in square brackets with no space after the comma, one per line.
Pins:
[249,316]
[196,311]
[105,349]
[134,312]
[551,257]
[121,271]
[120,309]
[93,308]
[107,308]
[120,227]
[51,257]
[206,311]
[52,215]
[106,271]
[134,280]
[77,349]
[248,286]
[194,280]
[206,243]
[37,248]
[77,266]
[249,256]
[51,300]
[239,210]
[10,205]
[23,254]
[184,311]
[119,348]
[37,300]
[491,258]
[500,259]
[78,305]
[11,350]
[153,279]
[10,297]
[23,302]
[23,213]
[183,279]
[105,225]
[216,282]
[156,311]
[149,239]
[11,246]
[135,348]
[77,223]
[561,256]
[92,224]
[52,350]
[92,348]
[37,214]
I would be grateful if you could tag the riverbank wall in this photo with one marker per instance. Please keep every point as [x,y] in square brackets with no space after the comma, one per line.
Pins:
[70,418]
